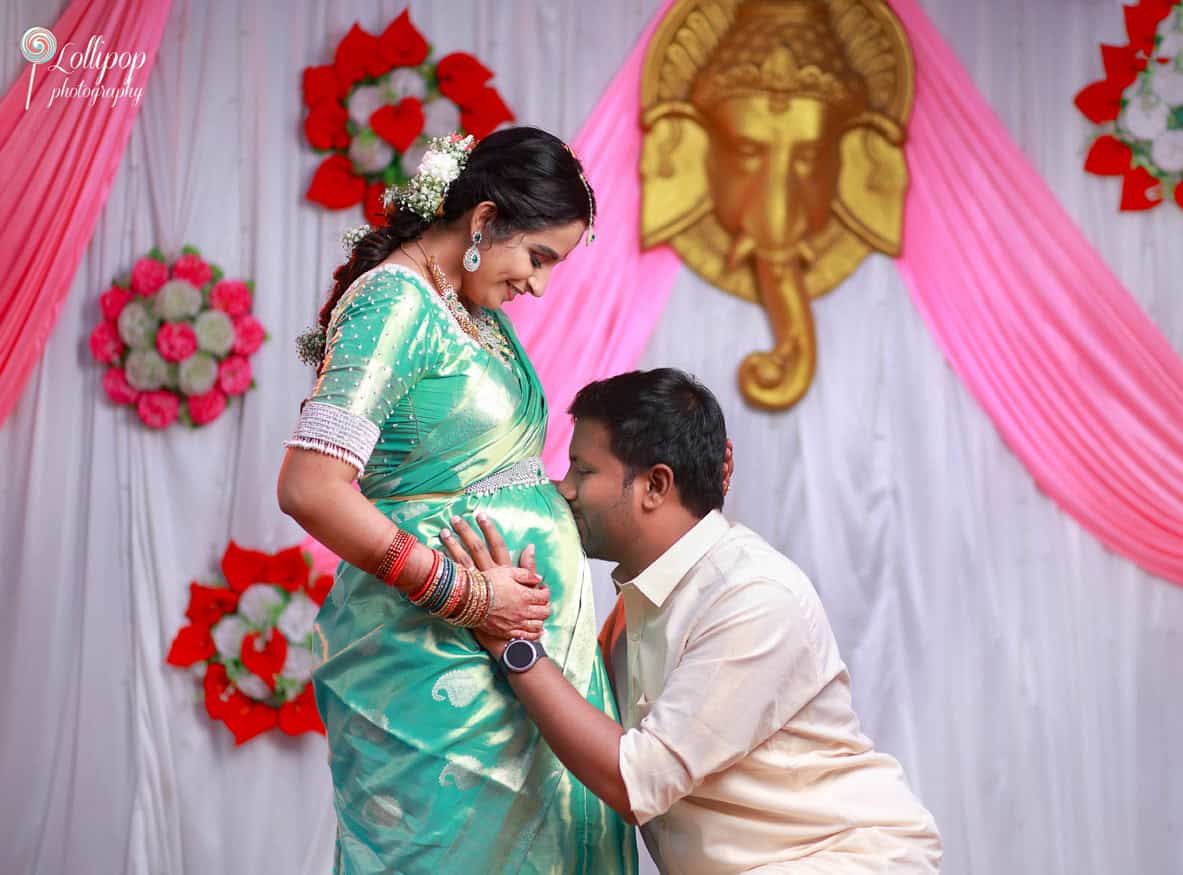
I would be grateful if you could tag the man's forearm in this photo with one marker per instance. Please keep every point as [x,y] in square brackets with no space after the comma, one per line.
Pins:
[584,738]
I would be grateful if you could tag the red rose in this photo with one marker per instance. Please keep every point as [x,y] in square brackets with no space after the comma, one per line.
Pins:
[461,77]
[318,590]
[157,409]
[335,185]
[288,569]
[358,56]
[1108,156]
[105,343]
[194,269]
[325,126]
[1179,194]
[401,44]
[208,604]
[264,657]
[399,125]
[192,644]
[299,715]
[234,375]
[1140,190]
[232,297]
[112,302]
[242,715]
[147,276]
[247,718]
[374,209]
[484,113]
[206,407]
[176,341]
[117,388]
[249,335]
[321,84]
[1100,102]
[242,567]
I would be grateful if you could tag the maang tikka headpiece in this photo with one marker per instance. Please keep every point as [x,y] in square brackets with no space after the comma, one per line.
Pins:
[591,203]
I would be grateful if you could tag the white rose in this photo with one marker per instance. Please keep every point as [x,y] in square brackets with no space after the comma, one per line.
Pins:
[404,82]
[215,332]
[197,374]
[136,325]
[1167,84]
[145,370]
[299,664]
[370,153]
[363,103]
[439,165]
[298,618]
[1145,116]
[254,686]
[440,118]
[259,601]
[1167,151]
[228,633]
[177,299]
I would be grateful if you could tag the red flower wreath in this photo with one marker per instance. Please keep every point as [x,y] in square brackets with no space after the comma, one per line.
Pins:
[1138,107]
[375,107]
[253,643]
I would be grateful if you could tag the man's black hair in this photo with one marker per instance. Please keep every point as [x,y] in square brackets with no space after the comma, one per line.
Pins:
[663,416]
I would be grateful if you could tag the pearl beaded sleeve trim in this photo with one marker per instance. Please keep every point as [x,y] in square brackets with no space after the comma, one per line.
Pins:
[334,432]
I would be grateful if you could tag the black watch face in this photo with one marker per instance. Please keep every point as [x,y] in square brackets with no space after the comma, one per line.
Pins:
[518,655]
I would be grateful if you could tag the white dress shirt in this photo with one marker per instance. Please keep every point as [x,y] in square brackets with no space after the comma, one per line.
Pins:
[742,751]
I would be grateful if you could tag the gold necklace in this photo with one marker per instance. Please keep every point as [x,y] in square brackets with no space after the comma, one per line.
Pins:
[482,328]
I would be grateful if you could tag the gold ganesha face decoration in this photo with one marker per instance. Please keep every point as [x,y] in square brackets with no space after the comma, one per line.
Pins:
[773,157]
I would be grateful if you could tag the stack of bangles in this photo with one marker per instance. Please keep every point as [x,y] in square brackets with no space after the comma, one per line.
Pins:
[460,596]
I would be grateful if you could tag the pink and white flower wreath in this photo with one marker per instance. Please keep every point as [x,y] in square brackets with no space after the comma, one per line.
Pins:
[177,339]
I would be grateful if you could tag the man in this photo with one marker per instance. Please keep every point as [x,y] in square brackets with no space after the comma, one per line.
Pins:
[740,750]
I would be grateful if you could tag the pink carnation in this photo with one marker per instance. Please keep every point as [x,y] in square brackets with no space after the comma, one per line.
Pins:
[105,344]
[249,335]
[194,269]
[206,407]
[148,276]
[117,388]
[113,301]
[232,297]
[175,341]
[157,409]
[234,375]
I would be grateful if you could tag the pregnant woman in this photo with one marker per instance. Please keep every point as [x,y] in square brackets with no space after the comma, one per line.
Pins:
[426,397]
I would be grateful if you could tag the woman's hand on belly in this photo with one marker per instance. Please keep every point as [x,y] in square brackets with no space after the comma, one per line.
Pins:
[521,600]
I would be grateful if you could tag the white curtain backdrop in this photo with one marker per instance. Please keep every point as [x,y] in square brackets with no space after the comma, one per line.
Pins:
[1023,675]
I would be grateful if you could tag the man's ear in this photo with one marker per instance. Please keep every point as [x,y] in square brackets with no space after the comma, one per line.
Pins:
[659,487]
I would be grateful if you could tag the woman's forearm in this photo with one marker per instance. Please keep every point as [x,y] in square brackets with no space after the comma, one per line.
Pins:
[317,492]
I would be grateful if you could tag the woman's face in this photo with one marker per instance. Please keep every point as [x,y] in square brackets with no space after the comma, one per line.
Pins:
[519,265]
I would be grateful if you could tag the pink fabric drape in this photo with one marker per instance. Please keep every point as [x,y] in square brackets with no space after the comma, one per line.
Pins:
[604,301]
[1083,387]
[59,162]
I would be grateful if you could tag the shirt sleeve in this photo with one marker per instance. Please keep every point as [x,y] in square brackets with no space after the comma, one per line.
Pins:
[381,342]
[755,659]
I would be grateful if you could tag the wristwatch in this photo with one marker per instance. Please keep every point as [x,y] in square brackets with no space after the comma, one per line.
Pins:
[520,655]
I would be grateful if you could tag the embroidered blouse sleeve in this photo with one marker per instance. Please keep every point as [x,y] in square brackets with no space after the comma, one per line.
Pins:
[381,342]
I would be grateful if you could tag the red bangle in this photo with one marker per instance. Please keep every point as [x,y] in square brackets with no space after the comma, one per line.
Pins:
[395,559]
[435,567]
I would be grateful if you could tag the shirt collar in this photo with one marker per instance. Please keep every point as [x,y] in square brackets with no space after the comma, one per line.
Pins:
[662,576]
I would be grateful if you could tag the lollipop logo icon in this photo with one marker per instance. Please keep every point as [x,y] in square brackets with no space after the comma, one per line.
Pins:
[38,45]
